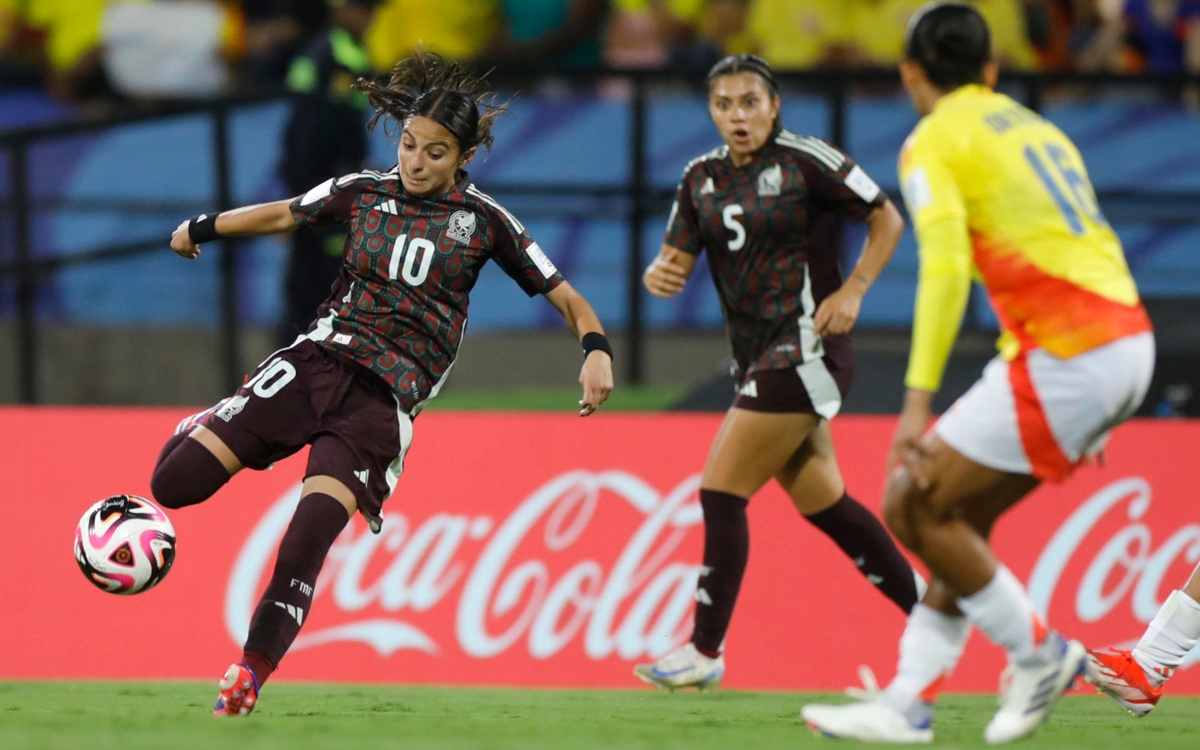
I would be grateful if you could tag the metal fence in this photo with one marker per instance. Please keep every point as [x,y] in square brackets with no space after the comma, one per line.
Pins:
[23,272]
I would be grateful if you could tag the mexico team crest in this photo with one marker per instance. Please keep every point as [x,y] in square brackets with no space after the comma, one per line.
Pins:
[461,226]
[770,181]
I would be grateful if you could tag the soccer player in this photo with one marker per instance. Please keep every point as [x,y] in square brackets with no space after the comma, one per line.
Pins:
[996,191]
[382,345]
[766,207]
[1135,679]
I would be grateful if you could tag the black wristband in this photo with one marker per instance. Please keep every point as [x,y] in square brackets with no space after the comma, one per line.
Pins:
[596,342]
[203,228]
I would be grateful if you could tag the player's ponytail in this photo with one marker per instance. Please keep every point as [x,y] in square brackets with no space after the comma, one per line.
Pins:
[951,43]
[428,85]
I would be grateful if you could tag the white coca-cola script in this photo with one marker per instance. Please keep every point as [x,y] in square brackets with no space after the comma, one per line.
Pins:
[636,603]
[1128,564]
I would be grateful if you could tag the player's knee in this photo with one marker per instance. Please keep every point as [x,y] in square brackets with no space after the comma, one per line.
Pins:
[187,475]
[900,499]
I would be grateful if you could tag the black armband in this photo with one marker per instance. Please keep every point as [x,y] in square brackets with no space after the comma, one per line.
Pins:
[596,342]
[203,228]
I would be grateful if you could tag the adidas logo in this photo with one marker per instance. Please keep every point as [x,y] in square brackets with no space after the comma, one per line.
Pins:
[707,188]
[703,598]
[297,613]
[750,389]
[389,207]
[363,476]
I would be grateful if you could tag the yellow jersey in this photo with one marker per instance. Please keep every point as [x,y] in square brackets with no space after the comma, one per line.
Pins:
[997,192]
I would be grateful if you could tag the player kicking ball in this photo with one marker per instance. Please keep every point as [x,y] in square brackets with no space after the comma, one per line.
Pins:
[382,345]
[994,190]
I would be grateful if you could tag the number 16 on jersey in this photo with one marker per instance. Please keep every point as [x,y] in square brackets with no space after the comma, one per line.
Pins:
[1084,197]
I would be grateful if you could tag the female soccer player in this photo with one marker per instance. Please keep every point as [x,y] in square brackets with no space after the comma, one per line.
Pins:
[765,207]
[996,189]
[381,346]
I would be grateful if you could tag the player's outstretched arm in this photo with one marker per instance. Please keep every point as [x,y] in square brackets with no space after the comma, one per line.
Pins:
[668,272]
[596,376]
[249,221]
[838,312]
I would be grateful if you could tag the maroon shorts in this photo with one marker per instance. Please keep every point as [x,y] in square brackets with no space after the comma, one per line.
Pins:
[306,395]
[815,387]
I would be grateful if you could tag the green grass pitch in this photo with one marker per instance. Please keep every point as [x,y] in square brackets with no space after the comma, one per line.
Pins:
[291,716]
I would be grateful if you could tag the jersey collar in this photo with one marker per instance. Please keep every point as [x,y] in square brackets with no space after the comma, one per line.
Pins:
[970,91]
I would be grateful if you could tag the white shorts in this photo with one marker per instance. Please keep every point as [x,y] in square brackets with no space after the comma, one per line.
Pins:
[1042,415]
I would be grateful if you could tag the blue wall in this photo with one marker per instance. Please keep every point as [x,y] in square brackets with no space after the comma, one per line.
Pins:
[546,140]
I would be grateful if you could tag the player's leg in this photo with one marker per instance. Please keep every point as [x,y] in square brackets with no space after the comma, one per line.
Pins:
[192,466]
[326,505]
[957,512]
[354,463]
[750,447]
[262,422]
[1135,678]
[813,480]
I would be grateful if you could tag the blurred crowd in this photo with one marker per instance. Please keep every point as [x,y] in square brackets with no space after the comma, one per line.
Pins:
[79,49]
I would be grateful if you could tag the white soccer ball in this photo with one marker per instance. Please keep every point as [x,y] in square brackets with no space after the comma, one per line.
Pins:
[125,544]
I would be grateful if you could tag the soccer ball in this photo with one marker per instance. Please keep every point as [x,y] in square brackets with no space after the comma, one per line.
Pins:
[125,544]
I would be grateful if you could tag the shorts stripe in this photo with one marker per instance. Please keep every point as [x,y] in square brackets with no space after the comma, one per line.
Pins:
[1046,457]
[822,388]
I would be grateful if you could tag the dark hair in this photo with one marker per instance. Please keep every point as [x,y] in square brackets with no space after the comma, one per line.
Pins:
[951,43]
[735,64]
[428,85]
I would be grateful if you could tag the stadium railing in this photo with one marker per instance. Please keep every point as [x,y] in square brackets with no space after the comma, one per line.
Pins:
[23,271]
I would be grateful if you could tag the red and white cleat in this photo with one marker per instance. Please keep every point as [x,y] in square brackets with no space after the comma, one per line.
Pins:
[239,692]
[1117,674]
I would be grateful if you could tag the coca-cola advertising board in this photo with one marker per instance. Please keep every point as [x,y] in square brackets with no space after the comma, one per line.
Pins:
[549,550]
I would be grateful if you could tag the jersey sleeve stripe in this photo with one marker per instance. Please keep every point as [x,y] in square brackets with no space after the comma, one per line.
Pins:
[820,151]
[512,220]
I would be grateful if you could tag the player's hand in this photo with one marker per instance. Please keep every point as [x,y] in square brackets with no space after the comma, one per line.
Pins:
[597,381]
[906,443]
[839,311]
[181,242]
[664,277]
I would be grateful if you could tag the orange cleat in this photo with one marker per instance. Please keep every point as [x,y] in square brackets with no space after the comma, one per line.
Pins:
[239,692]
[1116,674]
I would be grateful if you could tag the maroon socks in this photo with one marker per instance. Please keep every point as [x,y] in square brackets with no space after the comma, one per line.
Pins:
[726,548]
[288,598]
[864,540]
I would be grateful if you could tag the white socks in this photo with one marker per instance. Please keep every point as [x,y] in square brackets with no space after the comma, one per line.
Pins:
[1002,610]
[1169,637]
[929,650]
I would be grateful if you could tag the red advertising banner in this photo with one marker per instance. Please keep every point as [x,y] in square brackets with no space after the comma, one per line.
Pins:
[548,550]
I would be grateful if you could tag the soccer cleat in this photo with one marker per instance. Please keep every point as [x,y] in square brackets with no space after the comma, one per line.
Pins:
[1116,674]
[683,667]
[869,721]
[1032,691]
[239,692]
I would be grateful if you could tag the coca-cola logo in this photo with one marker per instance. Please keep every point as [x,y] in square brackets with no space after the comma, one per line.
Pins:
[1127,566]
[547,575]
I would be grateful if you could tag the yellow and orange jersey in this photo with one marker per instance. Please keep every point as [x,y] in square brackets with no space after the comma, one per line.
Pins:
[999,193]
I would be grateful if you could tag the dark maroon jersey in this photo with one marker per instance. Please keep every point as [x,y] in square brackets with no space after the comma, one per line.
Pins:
[770,230]
[399,305]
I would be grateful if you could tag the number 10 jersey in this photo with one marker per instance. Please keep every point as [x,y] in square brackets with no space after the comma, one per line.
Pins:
[399,305]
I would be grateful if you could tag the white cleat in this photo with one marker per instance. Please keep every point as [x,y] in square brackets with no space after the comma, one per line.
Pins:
[683,667]
[869,721]
[1032,692]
